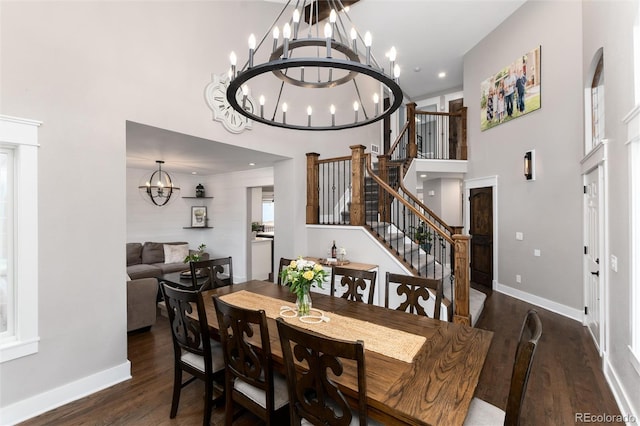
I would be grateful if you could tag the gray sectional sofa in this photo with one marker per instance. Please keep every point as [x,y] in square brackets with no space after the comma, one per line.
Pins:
[148,260]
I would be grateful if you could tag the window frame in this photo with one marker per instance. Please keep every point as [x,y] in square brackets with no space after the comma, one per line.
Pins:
[21,136]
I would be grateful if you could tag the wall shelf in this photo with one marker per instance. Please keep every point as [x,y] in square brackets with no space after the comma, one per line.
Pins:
[199,198]
[197,227]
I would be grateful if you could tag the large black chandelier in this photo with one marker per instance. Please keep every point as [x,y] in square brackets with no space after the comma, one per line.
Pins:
[303,55]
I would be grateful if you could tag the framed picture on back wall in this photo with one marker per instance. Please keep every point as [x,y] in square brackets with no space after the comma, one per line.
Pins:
[198,216]
[511,92]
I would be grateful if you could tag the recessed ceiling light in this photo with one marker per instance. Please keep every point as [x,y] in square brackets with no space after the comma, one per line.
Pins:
[423,176]
[442,74]
[194,173]
[252,164]
[417,69]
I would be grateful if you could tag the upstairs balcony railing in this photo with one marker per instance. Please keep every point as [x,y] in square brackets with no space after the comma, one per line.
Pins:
[431,135]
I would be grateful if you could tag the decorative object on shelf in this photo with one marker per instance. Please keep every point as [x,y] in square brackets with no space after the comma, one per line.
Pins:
[334,250]
[197,256]
[299,276]
[159,188]
[198,216]
[199,191]
[215,95]
[335,56]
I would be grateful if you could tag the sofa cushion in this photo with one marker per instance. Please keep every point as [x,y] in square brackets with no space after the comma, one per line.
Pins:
[154,252]
[134,254]
[174,253]
[143,271]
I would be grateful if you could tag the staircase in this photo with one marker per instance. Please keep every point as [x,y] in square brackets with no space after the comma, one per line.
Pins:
[350,191]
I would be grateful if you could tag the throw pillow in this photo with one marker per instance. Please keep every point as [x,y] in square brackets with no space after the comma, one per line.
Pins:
[175,253]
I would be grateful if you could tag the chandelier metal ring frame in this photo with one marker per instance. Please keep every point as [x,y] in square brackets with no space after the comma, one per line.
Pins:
[160,187]
[282,60]
[242,78]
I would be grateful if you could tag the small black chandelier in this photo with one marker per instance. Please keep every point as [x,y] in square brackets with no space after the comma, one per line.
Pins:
[337,60]
[159,188]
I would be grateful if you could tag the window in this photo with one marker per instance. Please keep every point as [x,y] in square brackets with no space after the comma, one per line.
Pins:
[7,325]
[18,199]
[597,104]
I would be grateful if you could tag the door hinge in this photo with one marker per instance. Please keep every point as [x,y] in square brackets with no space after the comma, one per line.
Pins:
[585,250]
[586,310]
[584,189]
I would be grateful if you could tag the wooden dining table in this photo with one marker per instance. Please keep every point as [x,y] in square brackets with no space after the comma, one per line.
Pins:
[435,387]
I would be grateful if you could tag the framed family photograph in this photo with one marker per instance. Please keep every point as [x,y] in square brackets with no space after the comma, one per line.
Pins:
[198,216]
[512,91]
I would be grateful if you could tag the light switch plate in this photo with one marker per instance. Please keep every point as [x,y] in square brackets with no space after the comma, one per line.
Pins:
[536,252]
[519,236]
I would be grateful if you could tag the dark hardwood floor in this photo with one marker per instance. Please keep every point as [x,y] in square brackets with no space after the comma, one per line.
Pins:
[566,377]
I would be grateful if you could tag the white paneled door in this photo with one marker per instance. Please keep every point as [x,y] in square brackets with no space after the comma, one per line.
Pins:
[592,254]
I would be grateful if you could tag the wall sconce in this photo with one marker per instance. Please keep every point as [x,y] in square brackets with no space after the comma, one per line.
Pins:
[159,188]
[530,165]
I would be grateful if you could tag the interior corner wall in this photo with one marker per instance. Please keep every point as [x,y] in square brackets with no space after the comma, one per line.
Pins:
[610,26]
[548,211]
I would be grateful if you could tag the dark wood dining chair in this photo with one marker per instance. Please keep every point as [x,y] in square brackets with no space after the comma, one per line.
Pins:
[314,395]
[249,380]
[414,294]
[284,262]
[483,413]
[203,269]
[222,269]
[357,285]
[193,350]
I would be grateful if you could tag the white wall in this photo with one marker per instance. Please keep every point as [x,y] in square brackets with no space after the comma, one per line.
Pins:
[84,69]
[611,28]
[549,210]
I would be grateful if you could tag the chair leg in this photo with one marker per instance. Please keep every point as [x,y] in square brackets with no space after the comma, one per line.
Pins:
[177,385]
[228,406]
[208,402]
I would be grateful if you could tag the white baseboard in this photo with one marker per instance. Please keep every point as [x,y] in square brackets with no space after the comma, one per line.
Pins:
[550,305]
[623,400]
[46,401]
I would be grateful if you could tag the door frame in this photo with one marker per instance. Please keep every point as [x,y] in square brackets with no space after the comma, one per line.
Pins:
[597,158]
[469,184]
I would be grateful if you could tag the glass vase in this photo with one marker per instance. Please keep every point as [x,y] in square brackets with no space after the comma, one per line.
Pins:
[303,303]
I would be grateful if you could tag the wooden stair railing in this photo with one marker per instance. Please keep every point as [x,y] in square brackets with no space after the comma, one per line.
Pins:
[406,147]
[361,167]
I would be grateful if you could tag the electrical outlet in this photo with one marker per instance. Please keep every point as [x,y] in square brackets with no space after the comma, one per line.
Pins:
[519,236]
[518,279]
[536,252]
[614,263]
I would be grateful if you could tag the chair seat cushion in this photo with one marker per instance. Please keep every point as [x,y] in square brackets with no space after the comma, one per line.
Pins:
[355,421]
[481,413]
[197,361]
[280,397]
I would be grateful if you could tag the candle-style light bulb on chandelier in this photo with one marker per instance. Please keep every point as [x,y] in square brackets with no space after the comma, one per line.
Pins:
[335,59]
[159,188]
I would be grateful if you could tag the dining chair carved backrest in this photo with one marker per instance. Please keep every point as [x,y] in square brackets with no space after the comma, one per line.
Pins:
[413,294]
[353,284]
[222,270]
[203,273]
[284,262]
[314,396]
[481,412]
[250,380]
[194,351]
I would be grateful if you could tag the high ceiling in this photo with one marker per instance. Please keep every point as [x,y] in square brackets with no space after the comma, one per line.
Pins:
[430,36]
